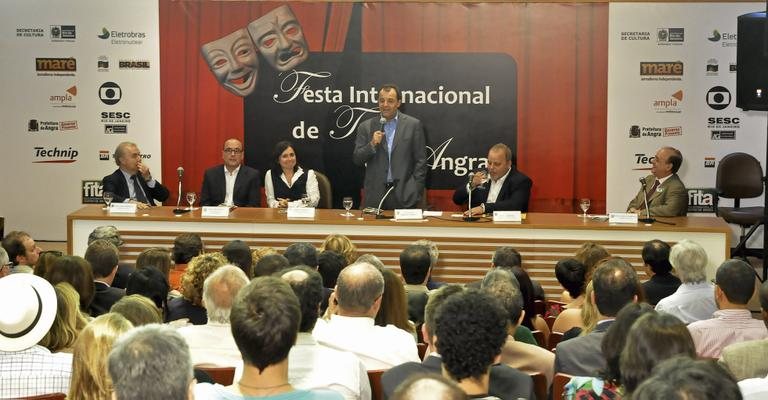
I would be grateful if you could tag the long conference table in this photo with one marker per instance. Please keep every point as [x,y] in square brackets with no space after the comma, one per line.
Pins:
[465,248]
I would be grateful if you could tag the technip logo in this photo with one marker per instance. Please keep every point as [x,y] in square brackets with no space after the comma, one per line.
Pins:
[110,93]
[63,33]
[661,71]
[54,155]
[701,200]
[668,105]
[65,99]
[46,66]
[670,36]
[92,192]
[718,98]
[460,166]
[133,64]
[122,37]
[643,162]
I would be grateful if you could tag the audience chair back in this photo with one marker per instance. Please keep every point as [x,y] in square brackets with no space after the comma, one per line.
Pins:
[558,385]
[540,339]
[374,377]
[422,349]
[326,193]
[539,307]
[554,339]
[540,385]
[221,375]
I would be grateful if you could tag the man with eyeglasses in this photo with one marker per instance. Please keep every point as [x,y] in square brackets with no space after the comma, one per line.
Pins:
[22,251]
[132,181]
[231,183]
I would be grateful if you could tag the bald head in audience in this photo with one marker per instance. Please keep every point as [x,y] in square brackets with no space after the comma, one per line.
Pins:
[428,386]
[358,290]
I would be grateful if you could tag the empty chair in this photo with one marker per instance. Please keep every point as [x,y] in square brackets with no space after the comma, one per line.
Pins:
[326,194]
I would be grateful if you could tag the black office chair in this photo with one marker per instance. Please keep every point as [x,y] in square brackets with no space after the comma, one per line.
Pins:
[740,176]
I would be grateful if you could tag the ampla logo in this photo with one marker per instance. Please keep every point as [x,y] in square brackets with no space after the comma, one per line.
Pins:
[460,166]
[66,99]
[670,104]
[55,155]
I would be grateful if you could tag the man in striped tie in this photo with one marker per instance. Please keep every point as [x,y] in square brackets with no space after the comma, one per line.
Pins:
[132,181]
[666,193]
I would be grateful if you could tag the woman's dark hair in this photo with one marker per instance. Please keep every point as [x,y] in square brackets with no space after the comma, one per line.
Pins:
[149,282]
[394,303]
[77,272]
[571,274]
[616,337]
[526,289]
[279,149]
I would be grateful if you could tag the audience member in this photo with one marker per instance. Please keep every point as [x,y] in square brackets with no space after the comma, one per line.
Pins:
[733,322]
[213,343]
[694,300]
[265,322]
[301,253]
[5,264]
[754,388]
[682,378]
[77,272]
[312,365]
[151,363]
[270,264]
[102,256]
[190,305]
[342,245]
[22,251]
[26,368]
[434,256]
[44,262]
[531,319]
[138,310]
[415,265]
[531,359]
[429,386]
[359,294]
[590,254]
[657,266]
[238,254]
[157,257]
[150,283]
[185,247]
[571,274]
[68,322]
[112,235]
[260,252]
[749,359]
[371,259]
[90,378]
[329,265]
[394,304]
[615,285]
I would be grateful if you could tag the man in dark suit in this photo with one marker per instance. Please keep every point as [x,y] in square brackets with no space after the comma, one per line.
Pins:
[656,262]
[231,183]
[132,181]
[615,285]
[103,257]
[504,382]
[508,189]
[415,265]
[393,153]
[667,196]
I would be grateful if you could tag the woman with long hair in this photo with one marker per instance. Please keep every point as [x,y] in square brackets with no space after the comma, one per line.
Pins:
[287,183]
[68,322]
[394,304]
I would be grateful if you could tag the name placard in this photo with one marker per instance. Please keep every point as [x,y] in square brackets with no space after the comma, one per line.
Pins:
[507,216]
[301,212]
[123,208]
[215,211]
[622,218]
[409,213]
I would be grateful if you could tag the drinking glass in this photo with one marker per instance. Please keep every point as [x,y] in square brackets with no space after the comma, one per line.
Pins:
[347,203]
[191,197]
[584,204]
[108,197]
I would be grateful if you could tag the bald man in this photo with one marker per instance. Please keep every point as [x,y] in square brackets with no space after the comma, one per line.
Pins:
[231,183]
[667,196]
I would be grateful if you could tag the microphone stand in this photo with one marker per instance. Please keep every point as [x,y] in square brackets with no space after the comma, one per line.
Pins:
[647,219]
[470,217]
[178,209]
[378,212]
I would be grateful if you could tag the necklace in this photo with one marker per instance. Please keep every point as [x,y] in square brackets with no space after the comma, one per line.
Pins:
[262,387]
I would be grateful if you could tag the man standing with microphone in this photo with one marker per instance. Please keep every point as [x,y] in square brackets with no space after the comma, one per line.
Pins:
[391,146]
[665,192]
[132,181]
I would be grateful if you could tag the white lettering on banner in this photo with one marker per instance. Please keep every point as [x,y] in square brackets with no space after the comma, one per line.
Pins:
[295,83]
[348,117]
[459,165]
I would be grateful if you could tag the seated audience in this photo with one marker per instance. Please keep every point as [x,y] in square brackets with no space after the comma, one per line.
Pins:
[260,252]
[571,274]
[754,388]
[150,283]
[615,285]
[5,265]
[414,267]
[733,322]
[138,310]
[77,272]
[359,295]
[112,235]
[749,359]
[531,319]
[503,379]
[329,265]
[90,379]
[590,254]
[26,368]
[434,256]
[238,254]
[342,245]
[371,259]
[312,365]
[694,300]
[656,263]
[151,363]
[190,305]
[22,251]
[265,322]
[531,359]
[44,262]
[270,264]
[157,257]
[429,386]
[213,343]
[682,378]
[301,253]
[68,322]
[394,304]
[185,247]
[102,256]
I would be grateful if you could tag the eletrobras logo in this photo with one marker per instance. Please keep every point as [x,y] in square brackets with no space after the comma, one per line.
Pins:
[54,155]
[122,37]
[48,66]
[661,70]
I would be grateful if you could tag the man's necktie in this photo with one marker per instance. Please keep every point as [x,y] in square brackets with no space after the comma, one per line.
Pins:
[140,196]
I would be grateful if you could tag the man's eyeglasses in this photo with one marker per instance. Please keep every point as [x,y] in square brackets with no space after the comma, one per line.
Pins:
[233,151]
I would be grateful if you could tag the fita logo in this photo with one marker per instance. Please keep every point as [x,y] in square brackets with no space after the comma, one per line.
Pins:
[54,155]
[64,100]
[104,33]
[92,192]
[110,93]
[715,37]
[718,98]
[701,200]
[709,162]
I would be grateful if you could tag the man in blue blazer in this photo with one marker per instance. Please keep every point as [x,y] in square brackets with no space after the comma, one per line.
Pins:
[507,188]
[393,153]
[231,183]
[132,180]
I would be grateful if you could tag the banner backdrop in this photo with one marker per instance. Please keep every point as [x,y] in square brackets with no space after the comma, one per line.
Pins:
[78,78]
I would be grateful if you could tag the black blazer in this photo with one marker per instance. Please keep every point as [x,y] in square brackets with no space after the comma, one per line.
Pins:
[117,184]
[104,298]
[246,191]
[513,196]
[505,381]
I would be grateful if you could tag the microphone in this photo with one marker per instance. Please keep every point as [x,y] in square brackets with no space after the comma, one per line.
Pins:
[382,121]
[379,215]
[178,209]
[647,219]
[180,172]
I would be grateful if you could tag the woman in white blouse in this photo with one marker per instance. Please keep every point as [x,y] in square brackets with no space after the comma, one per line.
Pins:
[286,182]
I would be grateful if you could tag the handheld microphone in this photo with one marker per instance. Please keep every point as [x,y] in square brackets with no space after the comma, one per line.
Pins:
[178,209]
[180,172]
[382,121]
[647,219]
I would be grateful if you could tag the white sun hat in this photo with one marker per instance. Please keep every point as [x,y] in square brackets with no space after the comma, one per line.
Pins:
[27,312]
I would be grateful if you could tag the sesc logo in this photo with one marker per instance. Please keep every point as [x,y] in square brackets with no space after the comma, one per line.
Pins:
[709,162]
[718,98]
[63,33]
[115,117]
[110,93]
[701,200]
[670,36]
[92,192]
[54,155]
